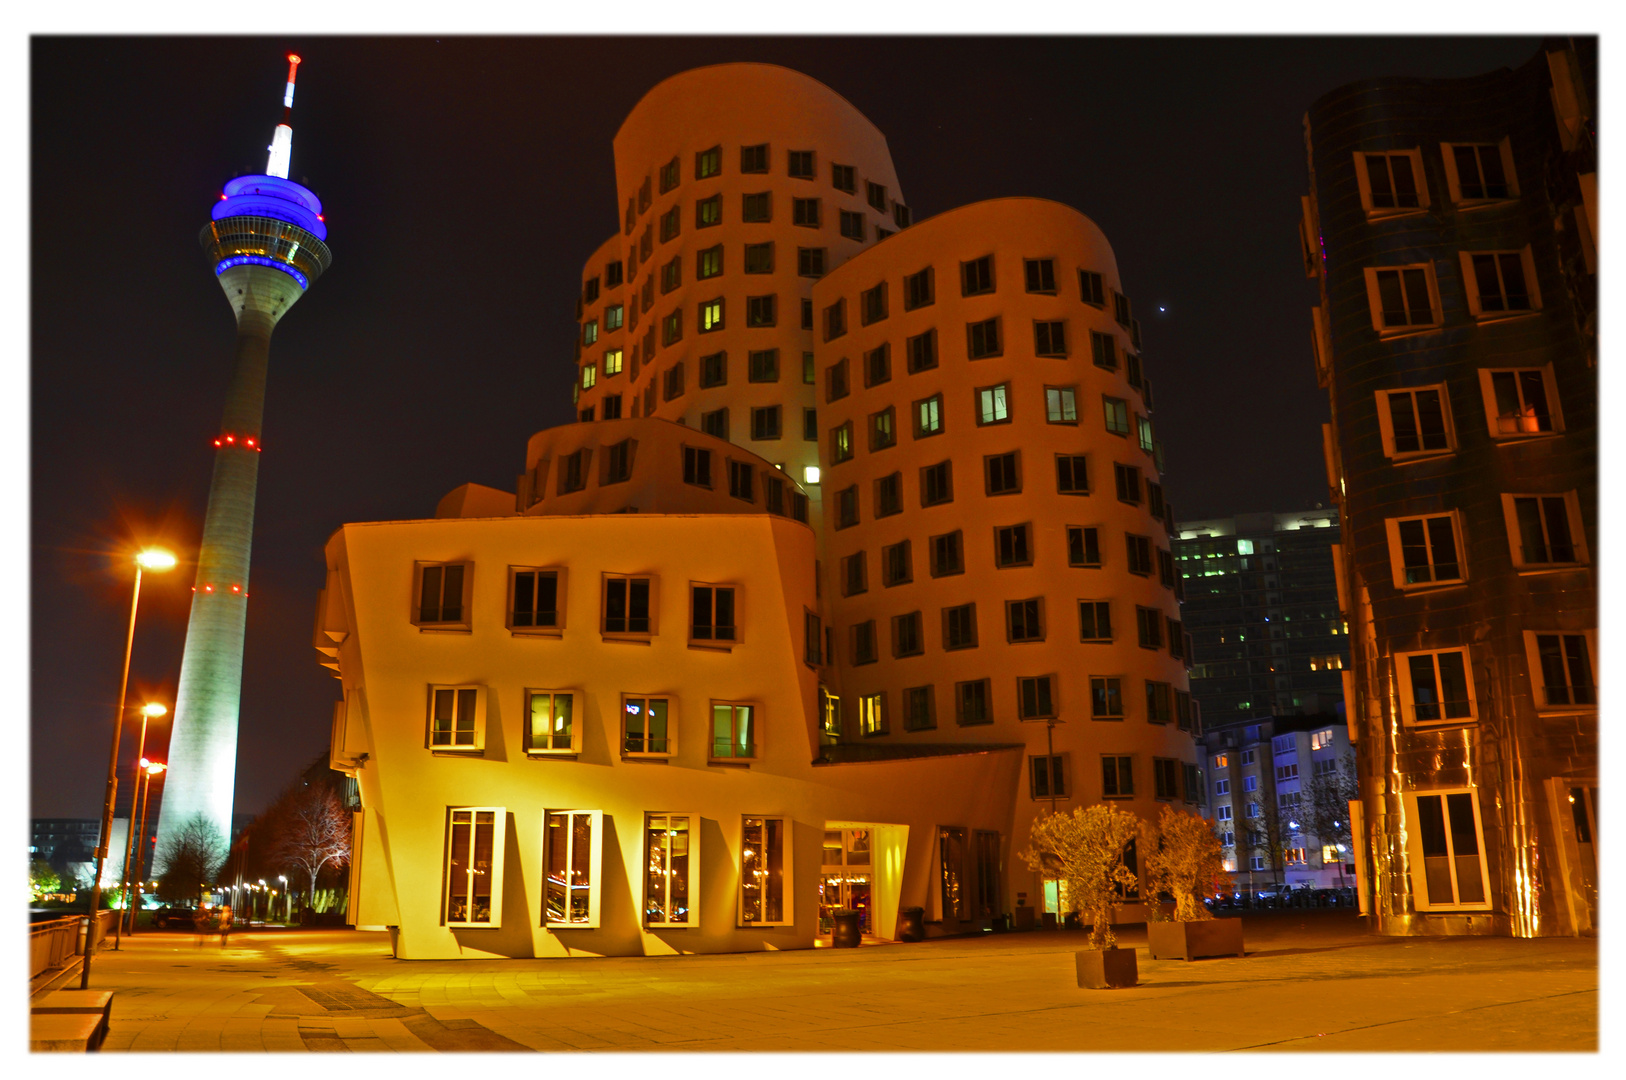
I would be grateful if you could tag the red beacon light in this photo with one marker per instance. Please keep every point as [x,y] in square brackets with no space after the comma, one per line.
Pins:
[234,588]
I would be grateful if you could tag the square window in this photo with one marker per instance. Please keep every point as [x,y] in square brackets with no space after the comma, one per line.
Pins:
[1520,403]
[1002,474]
[628,606]
[711,614]
[443,595]
[982,339]
[810,262]
[852,225]
[1035,697]
[922,351]
[993,405]
[977,276]
[1545,531]
[671,890]
[906,635]
[805,212]
[1402,299]
[929,416]
[754,159]
[947,554]
[759,258]
[1094,620]
[1050,339]
[1391,184]
[801,164]
[1500,284]
[1424,551]
[733,731]
[971,703]
[1060,405]
[760,311]
[550,724]
[1478,174]
[936,484]
[709,263]
[457,718]
[1024,620]
[647,727]
[1562,670]
[1040,274]
[1117,776]
[843,178]
[474,865]
[1435,687]
[763,365]
[1083,546]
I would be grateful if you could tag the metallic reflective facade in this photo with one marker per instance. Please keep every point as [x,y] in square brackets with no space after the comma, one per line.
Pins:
[1476,823]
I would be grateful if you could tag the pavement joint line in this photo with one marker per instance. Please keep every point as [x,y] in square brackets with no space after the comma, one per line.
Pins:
[1415,1019]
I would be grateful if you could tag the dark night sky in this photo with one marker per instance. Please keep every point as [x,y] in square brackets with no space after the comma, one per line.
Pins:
[465,181]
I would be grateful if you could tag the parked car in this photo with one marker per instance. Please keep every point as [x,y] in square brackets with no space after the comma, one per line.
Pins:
[172,918]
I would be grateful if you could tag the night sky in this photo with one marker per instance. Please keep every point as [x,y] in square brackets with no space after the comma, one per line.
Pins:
[465,181]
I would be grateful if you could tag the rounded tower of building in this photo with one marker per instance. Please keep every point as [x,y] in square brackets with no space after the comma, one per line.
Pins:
[740,186]
[266,243]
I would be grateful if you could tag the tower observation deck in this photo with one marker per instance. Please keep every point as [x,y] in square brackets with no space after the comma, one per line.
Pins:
[266,243]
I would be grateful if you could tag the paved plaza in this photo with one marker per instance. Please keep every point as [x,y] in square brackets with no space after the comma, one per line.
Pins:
[1312,980]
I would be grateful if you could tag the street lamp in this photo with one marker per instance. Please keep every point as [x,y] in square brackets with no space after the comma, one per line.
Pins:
[150,711]
[287,907]
[155,559]
[149,769]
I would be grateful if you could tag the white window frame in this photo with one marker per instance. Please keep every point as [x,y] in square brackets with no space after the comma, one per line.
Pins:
[1572,512]
[787,827]
[1453,183]
[671,726]
[595,869]
[1436,313]
[1397,565]
[1533,658]
[1386,423]
[756,731]
[499,835]
[691,878]
[1408,701]
[415,597]
[478,747]
[1414,851]
[1470,284]
[576,725]
[1363,180]
[560,575]
[1488,391]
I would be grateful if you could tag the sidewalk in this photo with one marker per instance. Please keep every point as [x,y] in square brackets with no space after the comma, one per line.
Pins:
[1312,980]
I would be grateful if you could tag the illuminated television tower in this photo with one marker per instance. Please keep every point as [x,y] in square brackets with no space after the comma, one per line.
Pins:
[265,243]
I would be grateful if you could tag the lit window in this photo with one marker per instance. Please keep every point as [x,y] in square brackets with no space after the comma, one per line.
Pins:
[457,717]
[474,866]
[572,853]
[929,416]
[612,362]
[733,731]
[765,870]
[711,316]
[672,874]
[550,726]
[1060,406]
[993,404]
[872,714]
[1117,415]
[589,376]
[709,263]
[1520,402]
[646,729]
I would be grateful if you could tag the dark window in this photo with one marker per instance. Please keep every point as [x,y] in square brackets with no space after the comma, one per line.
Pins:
[754,159]
[810,262]
[1106,698]
[841,443]
[982,339]
[1544,529]
[1139,550]
[740,480]
[761,310]
[900,215]
[906,636]
[773,492]
[977,276]
[1104,349]
[714,422]
[1002,474]
[1083,546]
[1566,669]
[847,507]
[612,407]
[971,702]
[1479,172]
[697,466]
[713,610]
[810,425]
[440,595]
[1149,626]
[882,429]
[1500,278]
[1128,482]
[645,196]
[1047,776]
[889,495]
[1428,550]
[1072,474]
[835,378]
[618,462]
[1012,547]
[1391,181]
[805,212]
[590,291]
[1165,568]
[877,195]
[1022,620]
[1177,639]
[936,484]
[960,627]
[919,290]
[1041,275]
[671,222]
[852,225]
[765,422]
[1117,776]
[714,370]
[671,275]
[854,578]
[1050,339]
[835,320]
[1034,697]
[1089,287]
[947,555]
[626,605]
[1094,620]
[872,304]
[921,351]
[535,598]
[1120,310]
[1165,771]
[573,471]
[918,711]
[812,638]
[842,178]
[612,274]
[864,642]
[807,314]
[757,206]
[1403,297]
[1132,369]
[896,565]
[801,164]
[764,365]
[759,258]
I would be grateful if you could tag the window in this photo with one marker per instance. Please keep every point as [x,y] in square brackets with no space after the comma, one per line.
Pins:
[612,274]
[1127,479]
[877,366]
[872,303]
[835,320]
[1117,415]
[590,290]
[589,380]
[812,638]
[1247,755]
[1544,530]
[1149,624]
[760,311]
[977,276]
[1047,776]
[854,579]
[906,635]
[807,314]
[900,216]
[646,730]
[1320,740]
[1144,426]
[457,717]
[573,471]
[1435,687]
[801,164]
[612,361]
[572,854]
[1480,173]
[1402,298]
[1120,309]
[714,422]
[673,382]
[1117,776]
[810,430]
[1501,284]
[876,194]
[740,476]
[808,377]
[1414,422]
[1166,778]
[714,370]
[842,178]
[1012,547]
[765,871]
[864,643]
[947,554]
[847,507]
[919,290]
[1392,183]
[442,595]
[671,222]
[1251,783]
[882,433]
[896,566]
[872,713]
[672,327]
[733,731]
[1132,371]
[533,599]
[1050,339]
[960,627]
[1423,550]
[1089,287]
[1023,620]
[672,869]
[773,491]
[1564,664]
[1287,772]
[841,443]
[754,159]
[1182,720]
[712,614]
[1001,474]
[852,225]
[474,865]
[982,339]
[993,404]
[1156,507]
[1223,787]
[1139,551]
[889,495]
[1040,274]
[589,331]
[971,701]
[1165,571]
[711,315]
[1177,639]
[627,605]
[1445,849]
[1094,620]
[759,260]
[756,207]
[708,212]
[805,212]
[709,263]
[697,466]
[1060,405]
[1517,402]
[1072,474]
[937,484]
[1103,349]
[1083,546]
[810,262]
[1034,698]
[617,462]
[929,416]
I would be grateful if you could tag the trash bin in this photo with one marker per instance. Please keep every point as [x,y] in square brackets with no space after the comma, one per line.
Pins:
[911,924]
[845,935]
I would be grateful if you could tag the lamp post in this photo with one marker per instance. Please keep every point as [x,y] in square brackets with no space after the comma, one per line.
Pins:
[150,711]
[287,903]
[149,559]
[149,769]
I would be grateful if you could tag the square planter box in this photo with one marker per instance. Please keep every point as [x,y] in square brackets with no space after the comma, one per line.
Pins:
[1186,940]
[1106,969]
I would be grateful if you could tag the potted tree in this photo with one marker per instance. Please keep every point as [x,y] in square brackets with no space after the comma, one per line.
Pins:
[1186,864]
[1086,849]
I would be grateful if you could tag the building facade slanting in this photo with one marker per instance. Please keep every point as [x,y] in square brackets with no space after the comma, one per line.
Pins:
[670,695]
[1451,231]
[1261,605]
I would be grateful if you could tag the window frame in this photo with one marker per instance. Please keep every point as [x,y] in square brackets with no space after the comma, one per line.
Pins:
[1029,638]
[1386,422]
[1405,693]
[950,643]
[464,622]
[1001,399]
[987,474]
[1375,304]
[872,718]
[671,736]
[1123,776]
[1572,514]
[1414,850]
[787,841]
[754,724]
[1047,692]
[1549,385]
[499,836]
[960,695]
[714,641]
[529,734]
[1391,527]
[1453,181]
[1053,767]
[1045,340]
[478,728]
[1538,695]
[691,877]
[595,861]
[1084,546]
[560,577]
[1363,181]
[1470,285]
[653,580]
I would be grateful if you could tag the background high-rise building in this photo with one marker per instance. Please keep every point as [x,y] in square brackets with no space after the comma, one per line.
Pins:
[1261,606]
[1451,232]
[266,246]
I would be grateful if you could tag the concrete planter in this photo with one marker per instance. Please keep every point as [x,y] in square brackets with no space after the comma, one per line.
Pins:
[1106,969]
[1024,919]
[1186,940]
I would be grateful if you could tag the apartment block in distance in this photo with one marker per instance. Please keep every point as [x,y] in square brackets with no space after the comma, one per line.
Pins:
[855,560]
[1451,232]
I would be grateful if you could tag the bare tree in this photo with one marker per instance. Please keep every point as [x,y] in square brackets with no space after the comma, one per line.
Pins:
[190,859]
[309,830]
[1328,796]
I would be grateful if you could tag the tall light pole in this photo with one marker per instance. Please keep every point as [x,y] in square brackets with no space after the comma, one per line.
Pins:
[149,769]
[287,904]
[150,711]
[150,559]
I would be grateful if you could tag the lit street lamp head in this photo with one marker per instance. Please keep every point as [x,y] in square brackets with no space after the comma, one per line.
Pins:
[155,559]
[153,710]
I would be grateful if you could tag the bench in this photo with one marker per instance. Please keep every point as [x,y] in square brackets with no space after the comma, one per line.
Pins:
[71,1033]
[97,1003]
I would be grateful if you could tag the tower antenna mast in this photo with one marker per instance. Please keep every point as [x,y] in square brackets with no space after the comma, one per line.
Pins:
[282,140]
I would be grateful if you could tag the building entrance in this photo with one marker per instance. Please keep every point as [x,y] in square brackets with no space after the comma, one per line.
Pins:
[847,879]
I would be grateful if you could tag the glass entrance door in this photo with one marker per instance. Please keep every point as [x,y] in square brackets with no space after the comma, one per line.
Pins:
[846,879]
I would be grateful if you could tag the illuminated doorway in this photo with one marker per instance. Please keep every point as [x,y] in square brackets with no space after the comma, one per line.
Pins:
[847,879]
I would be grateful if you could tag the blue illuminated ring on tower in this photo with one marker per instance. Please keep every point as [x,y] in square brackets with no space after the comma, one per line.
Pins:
[265,241]
[260,260]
